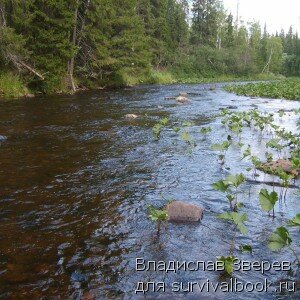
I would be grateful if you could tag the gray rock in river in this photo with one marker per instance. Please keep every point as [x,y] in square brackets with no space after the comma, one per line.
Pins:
[182,100]
[131,116]
[183,94]
[179,211]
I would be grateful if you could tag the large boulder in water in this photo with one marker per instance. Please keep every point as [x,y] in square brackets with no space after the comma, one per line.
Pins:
[179,211]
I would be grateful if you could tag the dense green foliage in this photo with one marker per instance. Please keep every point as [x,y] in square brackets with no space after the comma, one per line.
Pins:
[11,86]
[287,89]
[59,45]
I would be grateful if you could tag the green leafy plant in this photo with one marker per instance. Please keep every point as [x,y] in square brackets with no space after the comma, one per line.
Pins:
[288,89]
[295,222]
[246,248]
[164,121]
[205,131]
[223,148]
[285,181]
[268,200]
[176,129]
[280,239]
[158,216]
[237,218]
[228,263]
[247,152]
[157,128]
[281,113]
[275,144]
[230,186]
[187,137]
[256,163]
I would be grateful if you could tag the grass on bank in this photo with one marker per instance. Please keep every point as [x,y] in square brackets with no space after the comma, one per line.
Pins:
[137,77]
[11,86]
[284,89]
[169,77]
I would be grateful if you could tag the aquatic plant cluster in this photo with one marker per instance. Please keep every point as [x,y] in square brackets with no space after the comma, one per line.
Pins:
[280,144]
[284,89]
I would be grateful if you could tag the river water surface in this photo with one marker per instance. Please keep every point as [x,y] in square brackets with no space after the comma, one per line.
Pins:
[76,178]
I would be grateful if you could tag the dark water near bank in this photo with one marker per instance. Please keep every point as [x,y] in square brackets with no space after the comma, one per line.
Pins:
[76,177]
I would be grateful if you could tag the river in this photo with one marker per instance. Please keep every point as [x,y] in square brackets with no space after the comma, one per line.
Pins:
[76,177]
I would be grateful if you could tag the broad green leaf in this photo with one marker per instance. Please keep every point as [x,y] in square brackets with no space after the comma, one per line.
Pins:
[157,128]
[164,121]
[267,200]
[176,129]
[235,180]
[275,144]
[279,239]
[205,130]
[157,214]
[225,216]
[221,147]
[237,218]
[221,186]
[246,248]
[295,221]
[228,262]
[230,197]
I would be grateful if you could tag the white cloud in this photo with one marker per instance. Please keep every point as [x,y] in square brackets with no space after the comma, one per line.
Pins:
[276,14]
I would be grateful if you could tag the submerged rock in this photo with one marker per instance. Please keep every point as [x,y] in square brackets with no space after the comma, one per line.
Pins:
[183,94]
[182,100]
[131,116]
[78,276]
[179,211]
[283,164]
[89,296]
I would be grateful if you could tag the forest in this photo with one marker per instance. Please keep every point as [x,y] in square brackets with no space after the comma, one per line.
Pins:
[54,46]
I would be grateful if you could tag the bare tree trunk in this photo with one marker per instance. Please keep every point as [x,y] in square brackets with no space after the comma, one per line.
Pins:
[2,15]
[71,64]
[77,38]
[31,70]
[268,62]
[83,22]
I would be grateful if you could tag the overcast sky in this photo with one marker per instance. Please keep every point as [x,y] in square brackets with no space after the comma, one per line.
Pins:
[277,14]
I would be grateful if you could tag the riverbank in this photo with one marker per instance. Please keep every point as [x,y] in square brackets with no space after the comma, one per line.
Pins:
[13,87]
[286,89]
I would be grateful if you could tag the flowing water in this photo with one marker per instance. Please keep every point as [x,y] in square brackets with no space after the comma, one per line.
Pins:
[76,177]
